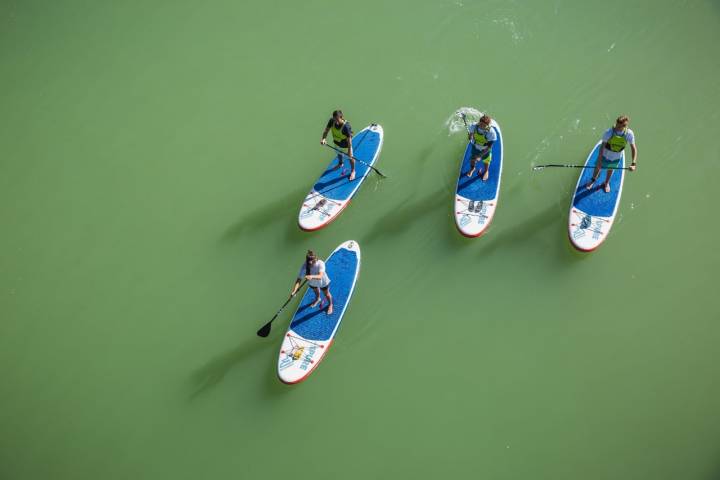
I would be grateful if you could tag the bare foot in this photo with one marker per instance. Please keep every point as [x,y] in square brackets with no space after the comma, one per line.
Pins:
[315,303]
[338,166]
[352,176]
[607,187]
[486,175]
[469,174]
[330,309]
[590,184]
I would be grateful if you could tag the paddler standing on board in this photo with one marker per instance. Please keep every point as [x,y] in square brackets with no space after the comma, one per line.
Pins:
[342,137]
[614,141]
[313,270]
[481,136]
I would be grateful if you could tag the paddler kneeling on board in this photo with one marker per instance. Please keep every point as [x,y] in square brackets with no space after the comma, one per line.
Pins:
[342,137]
[482,137]
[614,141]
[313,270]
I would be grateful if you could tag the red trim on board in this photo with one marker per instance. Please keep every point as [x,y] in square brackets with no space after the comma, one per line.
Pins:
[466,235]
[323,225]
[579,248]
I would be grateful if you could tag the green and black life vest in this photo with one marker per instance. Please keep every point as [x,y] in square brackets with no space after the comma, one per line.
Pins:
[617,143]
[479,136]
[338,136]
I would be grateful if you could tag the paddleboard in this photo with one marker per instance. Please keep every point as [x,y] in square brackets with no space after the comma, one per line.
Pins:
[333,191]
[592,212]
[475,200]
[312,330]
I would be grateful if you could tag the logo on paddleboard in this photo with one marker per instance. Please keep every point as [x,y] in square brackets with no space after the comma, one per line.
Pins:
[301,354]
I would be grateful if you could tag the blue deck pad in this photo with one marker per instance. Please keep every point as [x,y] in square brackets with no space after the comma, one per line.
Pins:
[334,184]
[314,323]
[474,188]
[596,202]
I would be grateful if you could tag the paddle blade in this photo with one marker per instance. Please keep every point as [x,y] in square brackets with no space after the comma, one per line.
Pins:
[265,330]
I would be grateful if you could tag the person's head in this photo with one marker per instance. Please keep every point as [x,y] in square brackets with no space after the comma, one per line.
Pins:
[484,122]
[622,122]
[310,257]
[337,116]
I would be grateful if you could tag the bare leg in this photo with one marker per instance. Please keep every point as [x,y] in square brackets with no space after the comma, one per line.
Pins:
[596,171]
[607,180]
[330,301]
[486,174]
[352,169]
[317,297]
[473,162]
[340,161]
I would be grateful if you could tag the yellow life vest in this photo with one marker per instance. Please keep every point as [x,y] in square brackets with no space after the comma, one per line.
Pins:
[337,133]
[479,136]
[617,143]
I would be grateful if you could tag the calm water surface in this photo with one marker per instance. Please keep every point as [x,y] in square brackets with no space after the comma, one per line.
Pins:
[154,158]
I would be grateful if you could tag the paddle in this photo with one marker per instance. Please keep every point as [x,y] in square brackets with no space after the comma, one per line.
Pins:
[265,330]
[540,167]
[356,159]
[462,114]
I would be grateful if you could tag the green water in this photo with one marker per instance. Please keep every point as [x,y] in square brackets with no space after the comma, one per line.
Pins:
[154,156]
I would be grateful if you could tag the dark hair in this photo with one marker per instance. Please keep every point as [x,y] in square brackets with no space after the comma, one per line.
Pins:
[337,114]
[485,119]
[308,258]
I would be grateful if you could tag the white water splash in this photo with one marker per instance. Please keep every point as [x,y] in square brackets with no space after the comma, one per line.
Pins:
[611,47]
[455,123]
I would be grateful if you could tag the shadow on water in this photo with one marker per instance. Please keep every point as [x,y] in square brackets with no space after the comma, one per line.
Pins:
[400,219]
[274,211]
[525,231]
[213,372]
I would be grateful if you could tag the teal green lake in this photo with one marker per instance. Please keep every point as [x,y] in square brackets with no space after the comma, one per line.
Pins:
[154,159]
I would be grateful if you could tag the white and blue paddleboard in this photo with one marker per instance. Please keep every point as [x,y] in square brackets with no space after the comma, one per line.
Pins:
[475,200]
[333,191]
[593,211]
[312,330]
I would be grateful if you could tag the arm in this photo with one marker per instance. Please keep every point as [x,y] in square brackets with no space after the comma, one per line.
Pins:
[633,165]
[319,275]
[324,136]
[487,146]
[295,287]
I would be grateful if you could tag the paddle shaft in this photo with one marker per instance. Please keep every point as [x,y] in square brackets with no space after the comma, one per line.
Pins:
[465,122]
[540,167]
[265,330]
[356,159]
